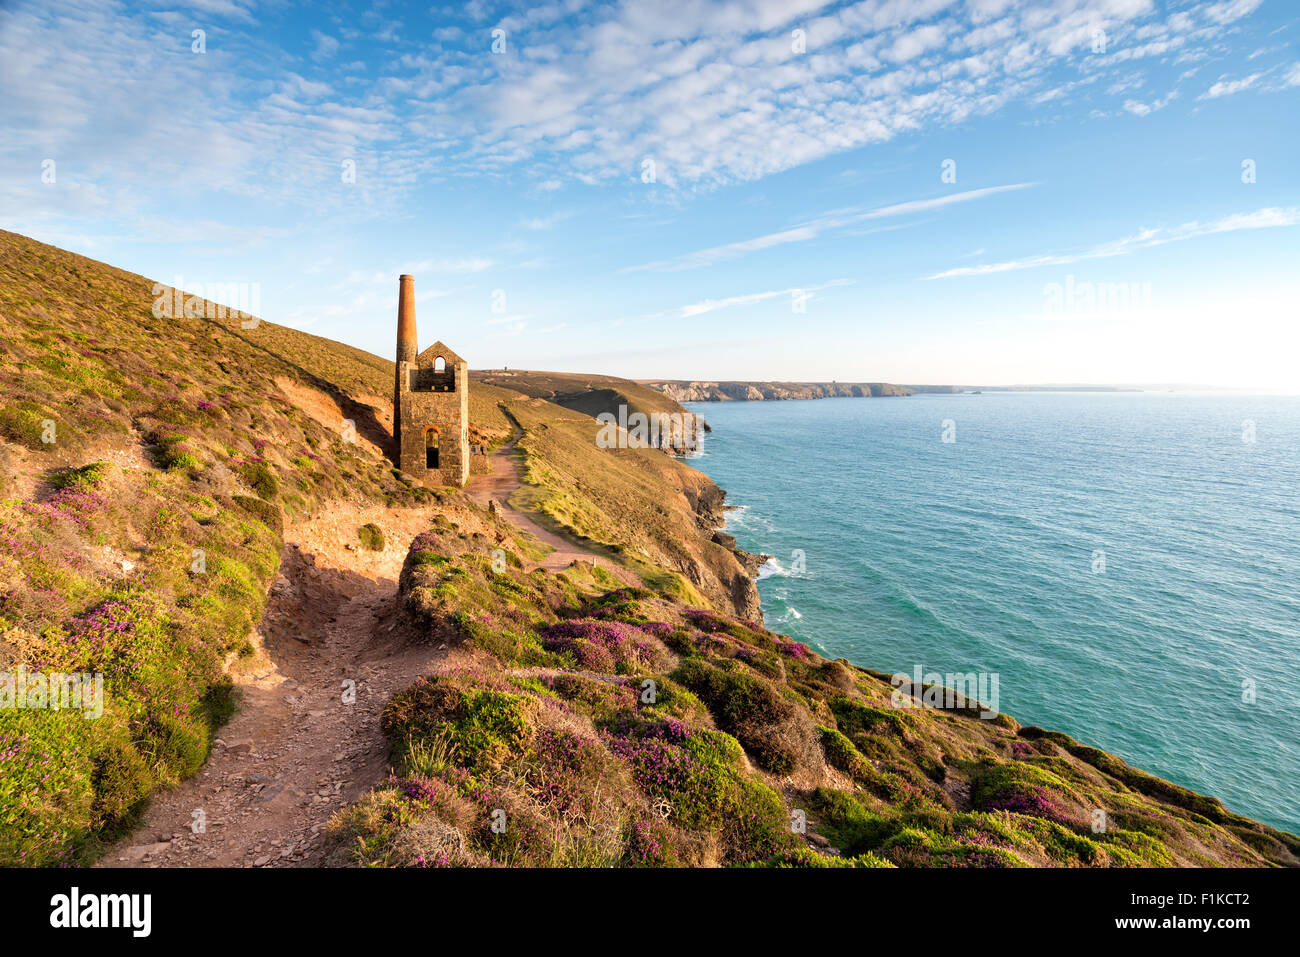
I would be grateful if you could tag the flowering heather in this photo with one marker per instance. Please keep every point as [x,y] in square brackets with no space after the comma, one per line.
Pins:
[906,794]
[100,639]
[660,768]
[600,645]
[77,505]
[569,764]
[21,546]
[706,620]
[650,843]
[794,649]
[720,645]
[428,793]
[636,727]
[606,696]
[1029,799]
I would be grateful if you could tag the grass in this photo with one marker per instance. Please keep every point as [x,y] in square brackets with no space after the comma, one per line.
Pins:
[371,536]
[639,506]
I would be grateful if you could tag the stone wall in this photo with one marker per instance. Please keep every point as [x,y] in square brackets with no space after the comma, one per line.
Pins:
[449,413]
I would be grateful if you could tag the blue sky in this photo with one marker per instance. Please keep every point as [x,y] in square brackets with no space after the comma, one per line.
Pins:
[929,191]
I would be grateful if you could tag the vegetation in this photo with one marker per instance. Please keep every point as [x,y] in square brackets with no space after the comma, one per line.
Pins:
[372,536]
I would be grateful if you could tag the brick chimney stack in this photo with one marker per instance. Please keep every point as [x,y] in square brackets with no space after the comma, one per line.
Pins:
[407,349]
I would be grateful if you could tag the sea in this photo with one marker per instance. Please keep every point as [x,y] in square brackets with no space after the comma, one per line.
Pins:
[1127,564]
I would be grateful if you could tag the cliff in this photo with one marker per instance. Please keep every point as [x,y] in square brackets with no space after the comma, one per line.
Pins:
[691,391]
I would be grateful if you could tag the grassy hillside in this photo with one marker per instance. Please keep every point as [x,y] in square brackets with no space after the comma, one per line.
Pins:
[591,395]
[149,469]
[653,512]
[615,727]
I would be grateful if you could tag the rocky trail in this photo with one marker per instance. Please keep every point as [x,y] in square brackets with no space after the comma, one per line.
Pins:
[497,488]
[306,740]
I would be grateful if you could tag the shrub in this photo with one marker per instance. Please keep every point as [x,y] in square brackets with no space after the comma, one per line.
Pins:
[776,730]
[484,727]
[260,479]
[1023,789]
[87,477]
[372,536]
[265,512]
[599,645]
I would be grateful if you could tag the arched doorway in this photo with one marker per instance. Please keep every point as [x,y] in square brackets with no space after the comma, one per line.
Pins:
[431,447]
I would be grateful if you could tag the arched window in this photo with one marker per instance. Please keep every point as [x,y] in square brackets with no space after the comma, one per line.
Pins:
[431,447]
[440,364]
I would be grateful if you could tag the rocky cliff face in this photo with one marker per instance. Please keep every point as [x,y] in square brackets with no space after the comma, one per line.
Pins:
[737,571]
[695,391]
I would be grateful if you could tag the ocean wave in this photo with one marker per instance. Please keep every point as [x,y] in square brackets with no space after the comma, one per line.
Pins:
[786,614]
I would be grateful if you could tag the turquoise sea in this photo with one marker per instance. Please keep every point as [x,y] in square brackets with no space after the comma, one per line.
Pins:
[1128,564]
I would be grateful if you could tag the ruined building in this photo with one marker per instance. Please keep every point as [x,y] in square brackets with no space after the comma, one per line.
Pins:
[430,403]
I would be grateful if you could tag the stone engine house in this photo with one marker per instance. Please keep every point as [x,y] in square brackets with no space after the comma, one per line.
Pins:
[430,402]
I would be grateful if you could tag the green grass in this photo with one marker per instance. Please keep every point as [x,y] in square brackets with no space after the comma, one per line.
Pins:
[371,536]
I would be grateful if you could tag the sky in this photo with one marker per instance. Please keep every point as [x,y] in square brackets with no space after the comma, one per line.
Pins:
[974,192]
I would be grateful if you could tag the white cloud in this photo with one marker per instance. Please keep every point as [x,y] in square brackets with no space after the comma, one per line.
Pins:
[326,45]
[1266,218]
[749,299]
[1229,87]
[1138,108]
[834,220]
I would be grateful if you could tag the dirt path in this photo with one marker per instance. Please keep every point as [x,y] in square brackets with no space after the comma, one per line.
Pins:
[301,745]
[306,740]
[503,481]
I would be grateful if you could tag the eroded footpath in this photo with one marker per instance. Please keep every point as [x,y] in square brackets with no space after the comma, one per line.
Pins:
[306,739]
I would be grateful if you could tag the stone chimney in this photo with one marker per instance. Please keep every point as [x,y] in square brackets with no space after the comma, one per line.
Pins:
[407,348]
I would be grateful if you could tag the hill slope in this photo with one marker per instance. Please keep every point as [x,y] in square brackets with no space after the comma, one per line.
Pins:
[185,503]
[594,395]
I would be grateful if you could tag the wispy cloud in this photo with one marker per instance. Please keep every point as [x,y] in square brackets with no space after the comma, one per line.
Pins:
[715,93]
[1266,218]
[468,264]
[749,299]
[828,222]
[1229,87]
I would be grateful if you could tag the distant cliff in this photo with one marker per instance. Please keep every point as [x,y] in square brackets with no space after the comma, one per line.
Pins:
[683,390]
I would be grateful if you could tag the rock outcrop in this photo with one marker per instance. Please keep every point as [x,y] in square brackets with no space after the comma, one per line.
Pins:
[694,391]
